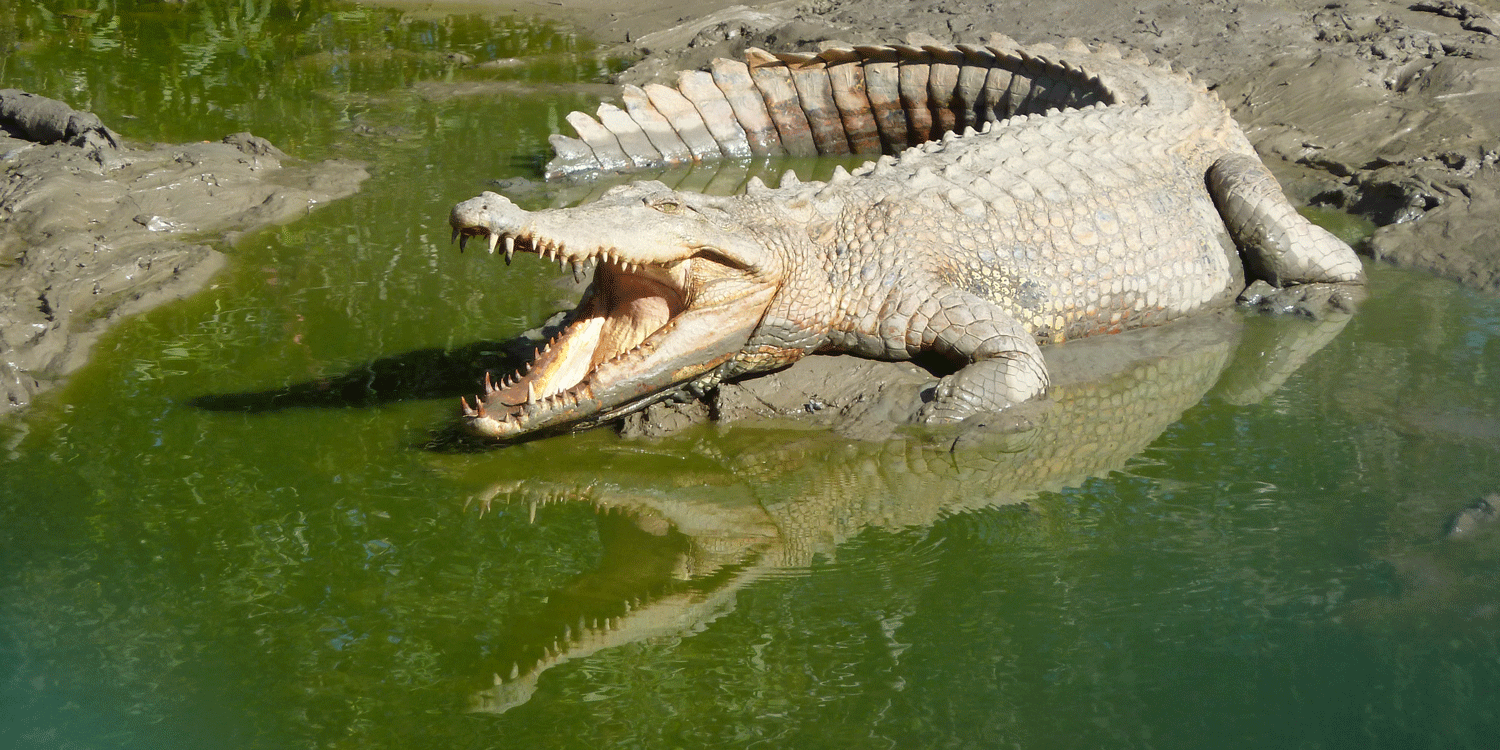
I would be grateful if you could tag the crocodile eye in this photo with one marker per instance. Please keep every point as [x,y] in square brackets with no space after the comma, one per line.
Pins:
[666,206]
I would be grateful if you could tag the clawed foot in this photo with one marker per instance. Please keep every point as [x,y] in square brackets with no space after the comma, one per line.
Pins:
[1317,300]
[948,402]
[994,428]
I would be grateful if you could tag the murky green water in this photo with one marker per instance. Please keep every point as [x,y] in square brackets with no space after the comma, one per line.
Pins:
[228,531]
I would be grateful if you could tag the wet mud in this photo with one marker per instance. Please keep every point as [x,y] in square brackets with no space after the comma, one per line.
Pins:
[94,229]
[1386,110]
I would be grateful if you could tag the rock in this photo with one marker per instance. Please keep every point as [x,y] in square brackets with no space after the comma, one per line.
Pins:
[1471,519]
[42,120]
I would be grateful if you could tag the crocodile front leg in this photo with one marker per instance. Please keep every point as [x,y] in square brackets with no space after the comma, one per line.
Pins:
[1005,366]
[1311,270]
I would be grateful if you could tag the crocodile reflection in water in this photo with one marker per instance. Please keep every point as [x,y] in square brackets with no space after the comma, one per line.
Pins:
[677,548]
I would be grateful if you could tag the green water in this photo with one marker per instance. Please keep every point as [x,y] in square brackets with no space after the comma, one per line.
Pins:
[231,531]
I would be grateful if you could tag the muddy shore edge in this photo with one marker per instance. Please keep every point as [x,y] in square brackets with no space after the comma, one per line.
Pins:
[1388,110]
[94,229]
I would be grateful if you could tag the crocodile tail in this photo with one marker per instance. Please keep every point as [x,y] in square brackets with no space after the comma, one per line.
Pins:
[869,99]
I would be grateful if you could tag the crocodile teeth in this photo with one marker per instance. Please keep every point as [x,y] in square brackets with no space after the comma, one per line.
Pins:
[510,249]
[477,410]
[494,240]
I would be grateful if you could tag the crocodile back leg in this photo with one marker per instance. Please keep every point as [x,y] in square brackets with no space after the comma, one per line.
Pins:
[1278,244]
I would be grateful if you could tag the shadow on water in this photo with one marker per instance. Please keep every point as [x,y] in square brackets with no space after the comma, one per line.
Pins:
[416,375]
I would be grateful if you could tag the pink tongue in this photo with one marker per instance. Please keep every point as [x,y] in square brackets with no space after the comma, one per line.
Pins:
[630,324]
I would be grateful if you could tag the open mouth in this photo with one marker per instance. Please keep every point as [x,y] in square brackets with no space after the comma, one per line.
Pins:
[673,312]
[609,332]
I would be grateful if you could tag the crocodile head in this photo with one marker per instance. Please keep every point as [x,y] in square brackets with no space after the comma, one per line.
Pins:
[679,287]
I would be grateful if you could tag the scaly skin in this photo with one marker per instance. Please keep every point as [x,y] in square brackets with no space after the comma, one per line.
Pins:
[1134,200]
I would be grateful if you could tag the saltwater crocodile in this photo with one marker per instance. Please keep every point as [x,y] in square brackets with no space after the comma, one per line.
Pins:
[1039,195]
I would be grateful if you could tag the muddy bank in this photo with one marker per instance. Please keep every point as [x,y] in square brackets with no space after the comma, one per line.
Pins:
[1390,110]
[93,229]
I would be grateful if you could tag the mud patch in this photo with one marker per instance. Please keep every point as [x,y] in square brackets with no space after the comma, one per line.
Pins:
[91,233]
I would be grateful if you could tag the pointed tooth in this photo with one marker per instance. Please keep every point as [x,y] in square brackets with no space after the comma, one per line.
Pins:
[532,518]
[515,671]
[479,407]
[530,393]
[489,385]
[510,249]
[579,271]
[494,239]
[465,409]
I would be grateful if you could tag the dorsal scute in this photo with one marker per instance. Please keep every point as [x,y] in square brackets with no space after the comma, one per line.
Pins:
[859,99]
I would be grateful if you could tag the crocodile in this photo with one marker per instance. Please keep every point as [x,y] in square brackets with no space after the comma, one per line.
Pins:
[1021,197]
